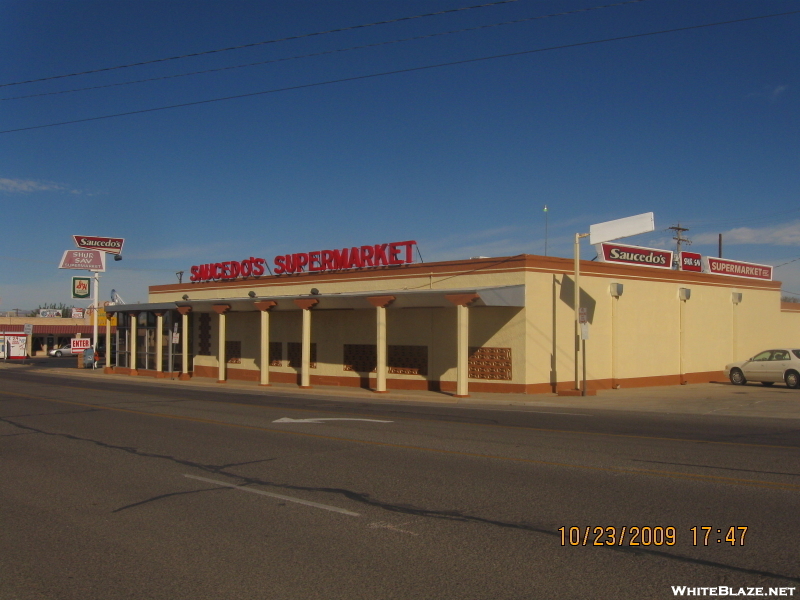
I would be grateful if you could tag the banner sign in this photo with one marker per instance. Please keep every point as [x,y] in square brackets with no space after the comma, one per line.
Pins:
[357,257]
[104,244]
[691,261]
[735,268]
[635,255]
[84,260]
[81,287]
[49,312]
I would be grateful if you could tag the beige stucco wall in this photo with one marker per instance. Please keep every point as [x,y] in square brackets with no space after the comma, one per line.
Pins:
[647,336]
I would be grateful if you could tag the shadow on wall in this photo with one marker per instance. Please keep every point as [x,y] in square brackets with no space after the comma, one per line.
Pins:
[564,290]
[567,296]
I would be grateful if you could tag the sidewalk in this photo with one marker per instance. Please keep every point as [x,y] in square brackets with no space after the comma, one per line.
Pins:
[776,402]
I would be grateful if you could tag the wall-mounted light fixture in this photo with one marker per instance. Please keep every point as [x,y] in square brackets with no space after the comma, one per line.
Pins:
[736,297]
[314,292]
[251,293]
[684,294]
[185,296]
[616,289]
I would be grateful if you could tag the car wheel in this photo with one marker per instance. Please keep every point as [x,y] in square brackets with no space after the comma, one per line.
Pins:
[767,383]
[58,354]
[737,377]
[792,379]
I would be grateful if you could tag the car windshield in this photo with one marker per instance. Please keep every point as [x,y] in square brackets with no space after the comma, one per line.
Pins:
[796,353]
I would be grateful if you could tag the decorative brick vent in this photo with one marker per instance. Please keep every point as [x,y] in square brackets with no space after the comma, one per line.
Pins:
[276,354]
[295,352]
[233,353]
[490,363]
[408,360]
[362,358]
[204,337]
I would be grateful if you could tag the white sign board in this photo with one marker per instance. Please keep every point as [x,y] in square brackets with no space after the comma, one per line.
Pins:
[584,330]
[614,230]
[28,328]
[84,260]
[78,345]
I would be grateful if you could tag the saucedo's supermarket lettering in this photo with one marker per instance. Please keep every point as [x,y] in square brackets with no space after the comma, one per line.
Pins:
[356,257]
[636,255]
[650,257]
[250,267]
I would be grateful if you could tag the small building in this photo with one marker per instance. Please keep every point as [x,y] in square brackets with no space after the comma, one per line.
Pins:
[502,324]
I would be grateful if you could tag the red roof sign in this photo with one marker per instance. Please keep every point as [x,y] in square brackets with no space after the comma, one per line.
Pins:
[104,244]
[635,255]
[735,268]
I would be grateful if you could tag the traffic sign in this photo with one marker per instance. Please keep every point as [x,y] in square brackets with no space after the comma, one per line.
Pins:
[582,315]
[78,345]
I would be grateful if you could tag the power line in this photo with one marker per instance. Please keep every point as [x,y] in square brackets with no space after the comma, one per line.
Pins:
[397,72]
[253,44]
[325,52]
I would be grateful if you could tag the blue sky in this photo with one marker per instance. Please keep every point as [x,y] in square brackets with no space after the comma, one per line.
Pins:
[700,126]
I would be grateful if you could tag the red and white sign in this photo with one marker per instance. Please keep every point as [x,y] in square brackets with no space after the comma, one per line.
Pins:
[635,255]
[78,345]
[734,268]
[357,257]
[104,244]
[691,261]
[85,260]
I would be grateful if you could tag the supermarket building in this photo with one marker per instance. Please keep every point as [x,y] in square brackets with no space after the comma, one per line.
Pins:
[370,317]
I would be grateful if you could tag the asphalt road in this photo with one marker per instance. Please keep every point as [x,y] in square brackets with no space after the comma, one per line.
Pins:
[113,489]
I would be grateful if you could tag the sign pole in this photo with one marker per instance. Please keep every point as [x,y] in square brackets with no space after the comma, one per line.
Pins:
[96,307]
[577,303]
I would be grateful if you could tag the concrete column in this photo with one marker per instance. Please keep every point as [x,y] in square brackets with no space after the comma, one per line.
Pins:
[380,303]
[108,368]
[134,315]
[264,306]
[184,310]
[221,309]
[159,339]
[305,361]
[462,339]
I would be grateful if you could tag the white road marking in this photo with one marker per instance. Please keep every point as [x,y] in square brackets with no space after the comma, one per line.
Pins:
[278,496]
[321,420]
[382,525]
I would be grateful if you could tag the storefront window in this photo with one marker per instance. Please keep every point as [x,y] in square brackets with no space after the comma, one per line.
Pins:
[148,339]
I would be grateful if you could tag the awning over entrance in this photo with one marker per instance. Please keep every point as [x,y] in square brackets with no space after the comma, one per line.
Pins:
[510,295]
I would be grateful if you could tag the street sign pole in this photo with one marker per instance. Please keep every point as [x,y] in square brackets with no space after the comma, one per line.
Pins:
[96,307]
[598,233]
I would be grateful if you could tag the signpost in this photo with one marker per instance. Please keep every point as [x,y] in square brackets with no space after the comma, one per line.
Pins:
[599,233]
[90,257]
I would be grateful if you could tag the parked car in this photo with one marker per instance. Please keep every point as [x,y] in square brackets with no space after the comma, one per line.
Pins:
[767,367]
[62,350]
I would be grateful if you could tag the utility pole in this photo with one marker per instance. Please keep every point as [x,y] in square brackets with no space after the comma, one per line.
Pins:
[679,239]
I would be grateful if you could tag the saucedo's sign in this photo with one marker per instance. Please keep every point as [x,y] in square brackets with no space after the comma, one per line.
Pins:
[356,257]
[635,255]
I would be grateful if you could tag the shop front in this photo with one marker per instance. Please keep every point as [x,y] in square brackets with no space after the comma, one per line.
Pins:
[502,324]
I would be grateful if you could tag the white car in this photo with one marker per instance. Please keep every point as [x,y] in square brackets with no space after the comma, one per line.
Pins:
[767,367]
